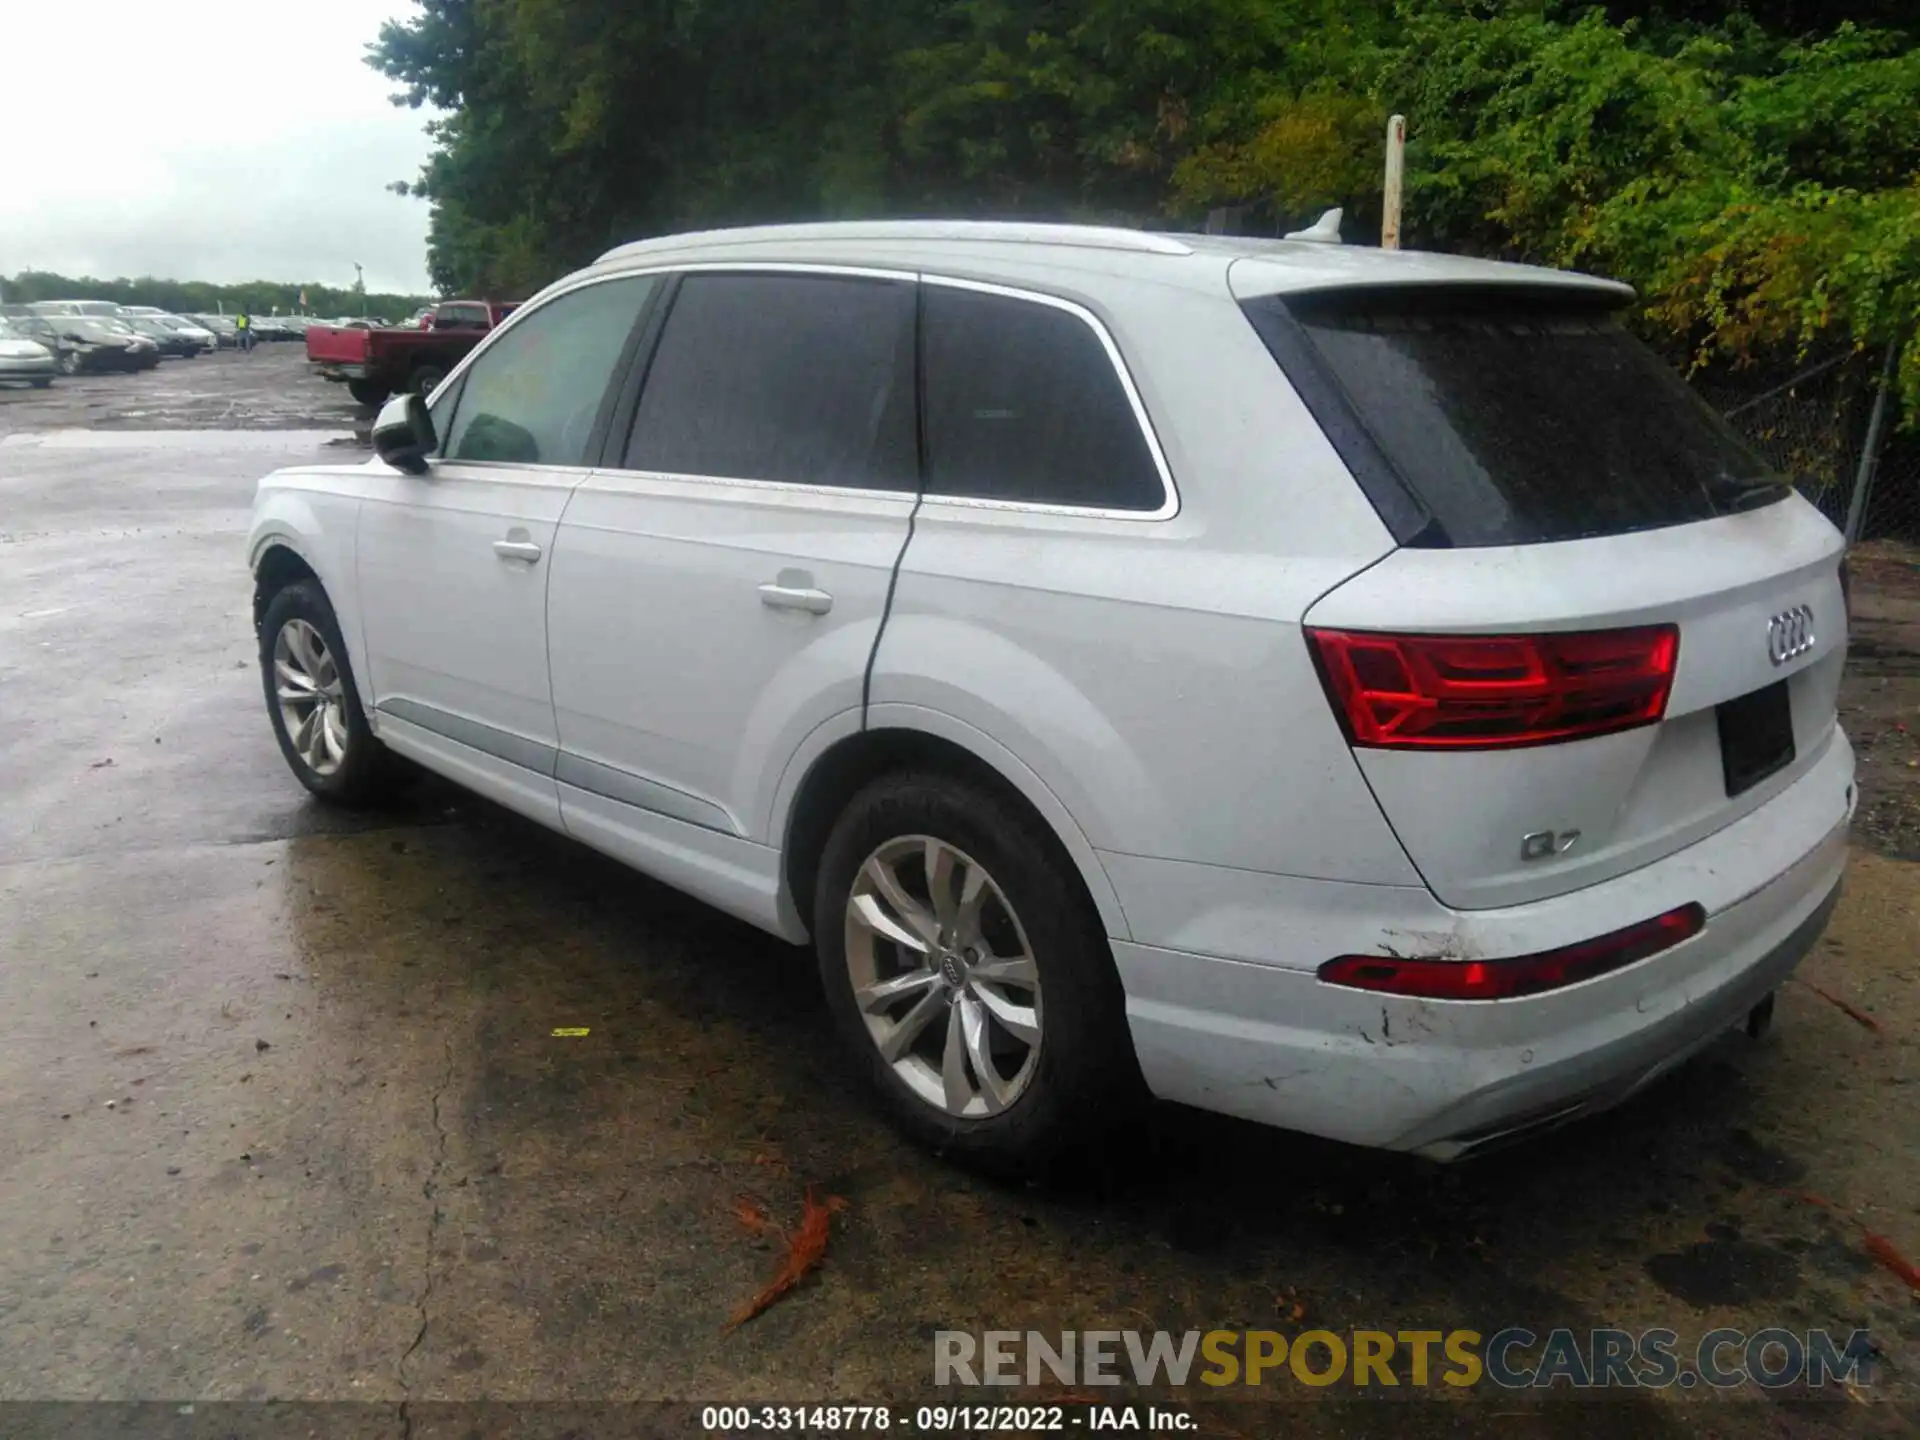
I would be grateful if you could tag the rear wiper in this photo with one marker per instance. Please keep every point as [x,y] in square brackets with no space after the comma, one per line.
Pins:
[1754,495]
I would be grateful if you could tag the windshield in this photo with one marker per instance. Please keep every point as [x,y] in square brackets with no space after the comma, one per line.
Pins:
[1509,418]
[7,332]
[97,329]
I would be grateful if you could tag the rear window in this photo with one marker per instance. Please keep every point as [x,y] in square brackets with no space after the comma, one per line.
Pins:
[1506,418]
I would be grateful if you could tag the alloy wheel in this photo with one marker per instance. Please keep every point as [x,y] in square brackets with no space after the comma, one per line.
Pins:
[943,976]
[311,695]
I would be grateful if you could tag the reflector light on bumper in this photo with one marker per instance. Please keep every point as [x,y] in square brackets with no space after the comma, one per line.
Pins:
[1430,979]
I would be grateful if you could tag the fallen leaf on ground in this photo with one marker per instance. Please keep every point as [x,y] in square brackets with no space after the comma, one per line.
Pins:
[805,1248]
[1852,1012]
[1881,1249]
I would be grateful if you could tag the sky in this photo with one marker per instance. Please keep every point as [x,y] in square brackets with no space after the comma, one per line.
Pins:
[219,140]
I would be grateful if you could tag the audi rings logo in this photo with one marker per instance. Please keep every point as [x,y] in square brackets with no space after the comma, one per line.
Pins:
[1790,633]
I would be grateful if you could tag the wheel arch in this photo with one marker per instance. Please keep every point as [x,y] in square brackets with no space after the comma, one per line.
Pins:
[276,565]
[922,739]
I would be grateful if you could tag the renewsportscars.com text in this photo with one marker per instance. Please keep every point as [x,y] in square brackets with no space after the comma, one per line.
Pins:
[1514,1357]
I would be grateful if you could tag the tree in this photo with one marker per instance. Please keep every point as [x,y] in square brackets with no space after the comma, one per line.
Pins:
[1751,171]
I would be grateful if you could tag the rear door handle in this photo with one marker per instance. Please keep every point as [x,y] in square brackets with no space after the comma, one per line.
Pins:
[776,596]
[517,550]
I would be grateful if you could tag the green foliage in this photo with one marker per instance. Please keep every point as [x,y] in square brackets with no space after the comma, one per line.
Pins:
[1760,193]
[186,297]
[1752,171]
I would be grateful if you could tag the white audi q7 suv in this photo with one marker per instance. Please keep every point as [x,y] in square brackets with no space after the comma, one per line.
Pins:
[1362,692]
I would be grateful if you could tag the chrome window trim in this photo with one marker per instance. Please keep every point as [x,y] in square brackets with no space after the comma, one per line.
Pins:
[1170,501]
[558,290]
[616,473]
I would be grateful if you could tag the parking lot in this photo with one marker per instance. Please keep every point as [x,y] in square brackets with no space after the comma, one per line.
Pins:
[286,1115]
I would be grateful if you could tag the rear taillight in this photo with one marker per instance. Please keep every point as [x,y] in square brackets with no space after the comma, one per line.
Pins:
[1484,691]
[1521,975]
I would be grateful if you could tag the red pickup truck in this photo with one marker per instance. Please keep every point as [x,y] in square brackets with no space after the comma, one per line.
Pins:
[376,362]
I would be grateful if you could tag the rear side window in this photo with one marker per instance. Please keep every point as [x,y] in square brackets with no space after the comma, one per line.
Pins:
[532,397]
[1481,417]
[806,379]
[460,317]
[1023,403]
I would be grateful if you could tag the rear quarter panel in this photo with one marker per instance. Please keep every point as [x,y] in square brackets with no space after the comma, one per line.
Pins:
[1152,673]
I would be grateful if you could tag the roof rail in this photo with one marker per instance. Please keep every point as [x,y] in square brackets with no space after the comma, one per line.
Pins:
[1013,232]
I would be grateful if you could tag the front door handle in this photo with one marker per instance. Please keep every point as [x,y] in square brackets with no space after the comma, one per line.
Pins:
[795,592]
[517,550]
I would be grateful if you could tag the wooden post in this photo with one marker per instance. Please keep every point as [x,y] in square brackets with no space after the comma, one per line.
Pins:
[1396,167]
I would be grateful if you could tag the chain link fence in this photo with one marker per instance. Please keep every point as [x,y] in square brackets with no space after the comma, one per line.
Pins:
[1816,425]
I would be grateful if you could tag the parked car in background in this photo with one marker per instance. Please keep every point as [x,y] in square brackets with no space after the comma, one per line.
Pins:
[171,343]
[88,344]
[74,307]
[378,361]
[24,358]
[199,334]
[223,329]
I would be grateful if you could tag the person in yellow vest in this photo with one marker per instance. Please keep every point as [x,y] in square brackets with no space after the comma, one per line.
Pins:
[244,324]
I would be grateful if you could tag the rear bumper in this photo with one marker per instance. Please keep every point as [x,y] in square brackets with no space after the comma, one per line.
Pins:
[335,370]
[1267,1040]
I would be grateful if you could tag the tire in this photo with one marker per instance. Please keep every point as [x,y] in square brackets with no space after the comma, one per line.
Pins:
[368,392]
[344,764]
[424,378]
[1058,1098]
[70,362]
[42,383]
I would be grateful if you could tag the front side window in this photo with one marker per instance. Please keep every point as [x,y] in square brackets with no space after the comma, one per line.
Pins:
[533,397]
[806,379]
[1023,403]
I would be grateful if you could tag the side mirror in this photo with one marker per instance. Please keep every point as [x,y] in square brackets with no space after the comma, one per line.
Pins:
[403,434]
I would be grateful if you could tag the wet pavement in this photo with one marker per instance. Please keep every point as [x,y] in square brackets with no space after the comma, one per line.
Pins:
[282,1113]
[267,389]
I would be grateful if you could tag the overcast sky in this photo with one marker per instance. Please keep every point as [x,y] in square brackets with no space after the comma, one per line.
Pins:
[213,140]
